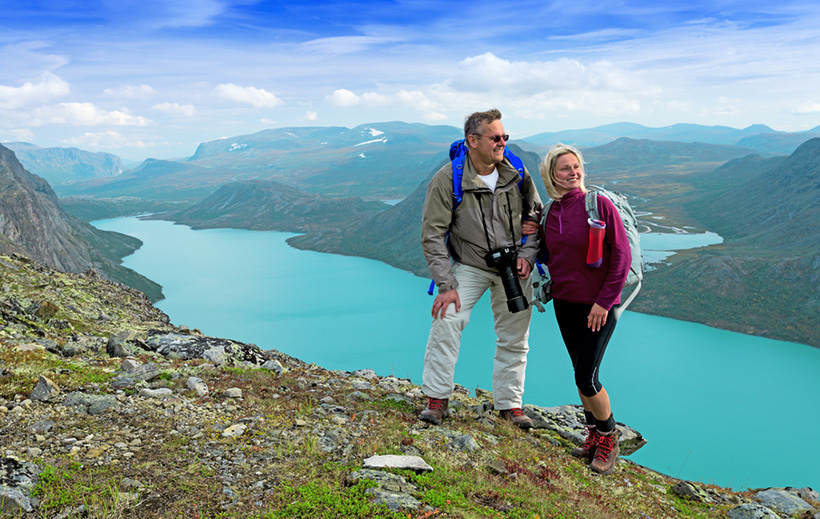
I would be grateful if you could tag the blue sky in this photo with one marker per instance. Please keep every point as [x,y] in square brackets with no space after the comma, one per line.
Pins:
[155,78]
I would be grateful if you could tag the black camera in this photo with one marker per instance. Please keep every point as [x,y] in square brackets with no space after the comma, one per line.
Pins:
[503,259]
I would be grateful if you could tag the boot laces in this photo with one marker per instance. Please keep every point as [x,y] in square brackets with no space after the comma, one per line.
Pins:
[592,438]
[605,446]
[436,403]
[515,412]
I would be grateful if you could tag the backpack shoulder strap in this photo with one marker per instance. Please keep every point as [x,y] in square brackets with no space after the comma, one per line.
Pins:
[591,203]
[458,153]
[517,163]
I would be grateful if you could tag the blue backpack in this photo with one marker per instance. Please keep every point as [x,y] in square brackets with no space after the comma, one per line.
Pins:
[458,154]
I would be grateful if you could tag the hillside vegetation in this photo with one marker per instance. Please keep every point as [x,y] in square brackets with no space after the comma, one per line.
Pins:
[104,413]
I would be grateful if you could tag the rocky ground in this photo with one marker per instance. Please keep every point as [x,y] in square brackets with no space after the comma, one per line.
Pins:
[108,410]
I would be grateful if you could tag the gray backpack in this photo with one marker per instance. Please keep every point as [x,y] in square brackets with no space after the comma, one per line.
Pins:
[542,283]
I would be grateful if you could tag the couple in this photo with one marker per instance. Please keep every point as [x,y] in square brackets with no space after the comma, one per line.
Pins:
[500,206]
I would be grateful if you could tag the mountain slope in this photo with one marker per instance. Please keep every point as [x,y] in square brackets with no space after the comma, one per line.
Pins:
[270,205]
[33,223]
[375,161]
[62,165]
[764,278]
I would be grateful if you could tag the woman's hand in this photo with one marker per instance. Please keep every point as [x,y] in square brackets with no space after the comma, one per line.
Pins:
[596,318]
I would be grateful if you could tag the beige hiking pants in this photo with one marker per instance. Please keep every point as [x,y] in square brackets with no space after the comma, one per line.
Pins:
[512,331]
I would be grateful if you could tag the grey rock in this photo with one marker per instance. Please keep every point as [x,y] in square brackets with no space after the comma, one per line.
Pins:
[393,500]
[397,462]
[46,390]
[135,374]
[198,385]
[124,344]
[233,392]
[93,404]
[129,365]
[14,501]
[384,480]
[275,366]
[16,480]
[805,493]
[365,373]
[234,431]
[568,421]
[783,501]
[43,426]
[752,511]
[216,350]
[691,491]
[162,392]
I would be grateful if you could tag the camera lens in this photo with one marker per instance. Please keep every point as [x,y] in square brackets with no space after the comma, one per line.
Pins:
[516,302]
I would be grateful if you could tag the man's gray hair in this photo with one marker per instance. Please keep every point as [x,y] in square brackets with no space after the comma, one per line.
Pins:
[473,122]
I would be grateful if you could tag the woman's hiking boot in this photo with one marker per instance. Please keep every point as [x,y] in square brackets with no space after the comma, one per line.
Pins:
[606,453]
[517,417]
[435,411]
[587,450]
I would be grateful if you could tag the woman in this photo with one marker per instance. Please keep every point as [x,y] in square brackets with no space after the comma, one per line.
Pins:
[584,291]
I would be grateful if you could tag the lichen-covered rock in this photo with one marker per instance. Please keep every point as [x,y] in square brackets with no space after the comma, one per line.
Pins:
[92,404]
[752,511]
[16,481]
[568,421]
[783,501]
[216,350]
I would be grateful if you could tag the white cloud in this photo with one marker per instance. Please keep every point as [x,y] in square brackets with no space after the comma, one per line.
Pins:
[311,116]
[809,107]
[84,114]
[23,135]
[435,116]
[104,140]
[489,73]
[257,97]
[346,44]
[130,92]
[176,109]
[29,94]
[343,98]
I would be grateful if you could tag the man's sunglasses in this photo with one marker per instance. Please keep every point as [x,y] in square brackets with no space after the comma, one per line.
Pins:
[495,138]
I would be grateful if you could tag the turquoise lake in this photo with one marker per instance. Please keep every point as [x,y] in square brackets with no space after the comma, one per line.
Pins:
[716,406]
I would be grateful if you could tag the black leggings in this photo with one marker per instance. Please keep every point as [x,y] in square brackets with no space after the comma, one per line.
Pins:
[586,348]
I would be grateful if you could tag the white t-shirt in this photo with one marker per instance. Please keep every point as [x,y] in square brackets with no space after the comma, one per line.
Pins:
[491,180]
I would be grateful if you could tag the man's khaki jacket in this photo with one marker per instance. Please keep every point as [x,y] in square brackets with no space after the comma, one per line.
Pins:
[467,243]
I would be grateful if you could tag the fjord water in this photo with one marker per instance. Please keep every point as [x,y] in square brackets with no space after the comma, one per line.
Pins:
[716,406]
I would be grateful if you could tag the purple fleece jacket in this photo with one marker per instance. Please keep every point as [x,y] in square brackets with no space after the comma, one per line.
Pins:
[566,238]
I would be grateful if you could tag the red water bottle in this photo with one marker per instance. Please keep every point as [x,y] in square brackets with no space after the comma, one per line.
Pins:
[595,250]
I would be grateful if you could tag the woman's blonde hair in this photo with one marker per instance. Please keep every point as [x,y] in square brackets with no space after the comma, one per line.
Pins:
[547,168]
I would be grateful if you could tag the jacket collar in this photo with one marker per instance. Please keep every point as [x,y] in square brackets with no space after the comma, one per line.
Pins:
[506,174]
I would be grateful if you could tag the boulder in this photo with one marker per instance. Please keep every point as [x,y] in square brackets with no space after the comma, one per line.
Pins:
[568,421]
[45,390]
[213,349]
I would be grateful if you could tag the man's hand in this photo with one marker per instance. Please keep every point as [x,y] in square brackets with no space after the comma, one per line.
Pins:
[529,227]
[523,267]
[445,299]
[597,318]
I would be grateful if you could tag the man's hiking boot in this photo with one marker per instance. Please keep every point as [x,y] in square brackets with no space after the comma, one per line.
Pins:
[435,411]
[606,453]
[517,417]
[587,450]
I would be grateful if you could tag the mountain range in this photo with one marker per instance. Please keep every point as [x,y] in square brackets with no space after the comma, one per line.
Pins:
[328,183]
[33,224]
[64,165]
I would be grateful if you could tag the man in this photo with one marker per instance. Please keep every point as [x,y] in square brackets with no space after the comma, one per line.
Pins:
[489,217]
